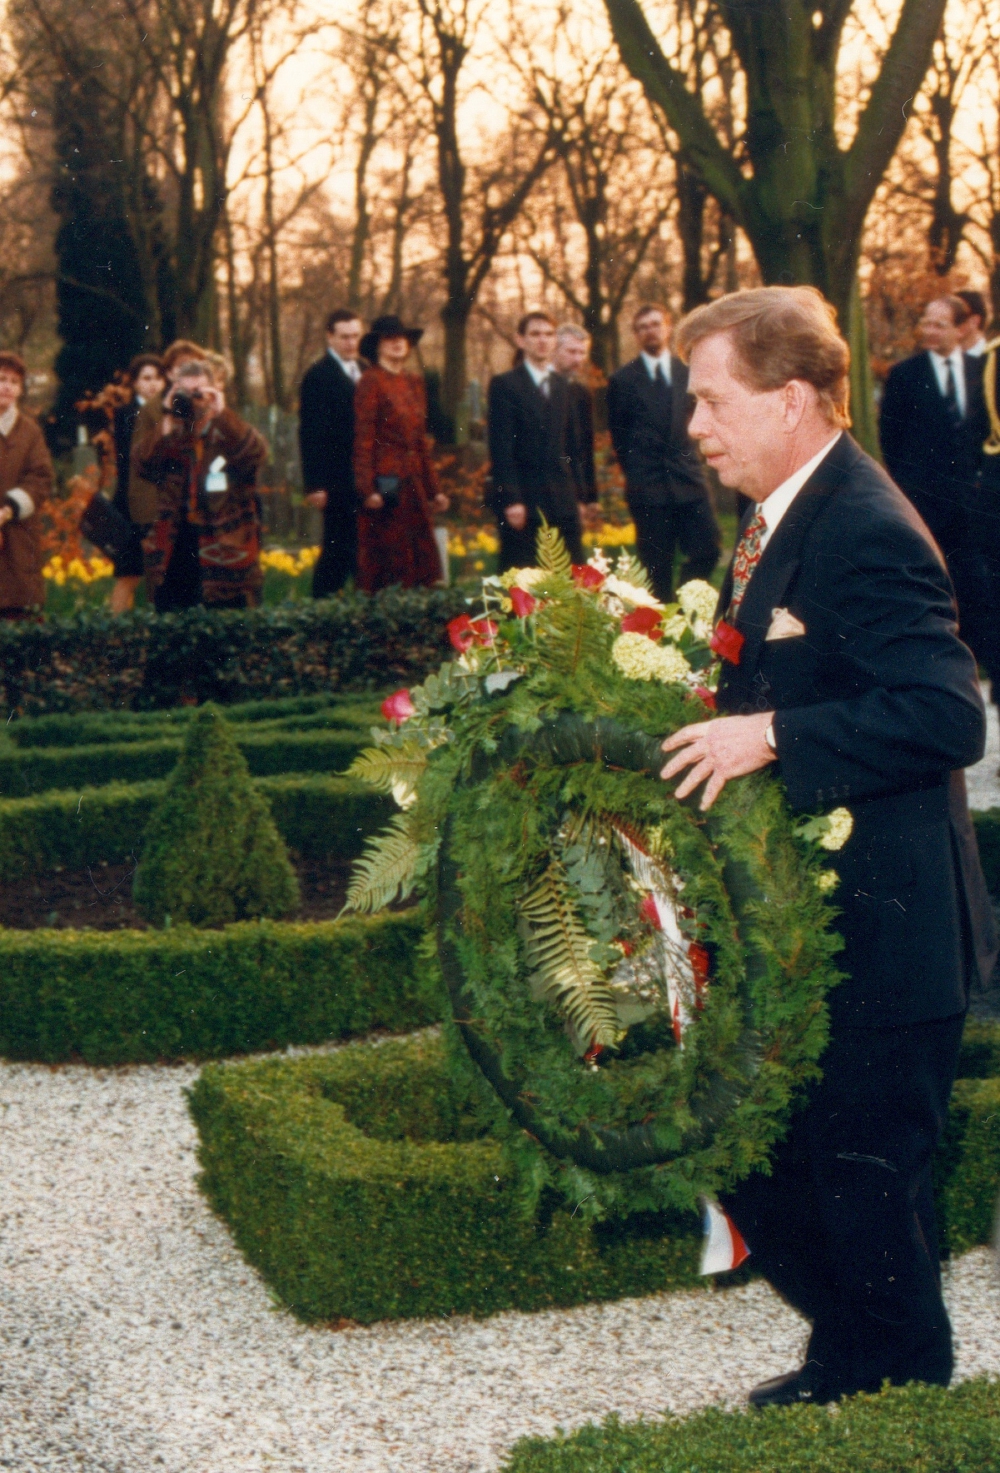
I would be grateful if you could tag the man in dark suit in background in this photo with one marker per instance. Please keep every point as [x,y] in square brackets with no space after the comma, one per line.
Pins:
[326,445]
[664,484]
[847,678]
[570,357]
[927,431]
[535,461]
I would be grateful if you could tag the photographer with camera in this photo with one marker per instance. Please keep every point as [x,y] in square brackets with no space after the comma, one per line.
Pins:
[203,459]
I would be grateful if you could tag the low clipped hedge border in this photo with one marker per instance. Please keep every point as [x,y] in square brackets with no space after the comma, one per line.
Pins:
[82,728]
[37,769]
[318,817]
[911,1429]
[361,1186]
[93,661]
[138,996]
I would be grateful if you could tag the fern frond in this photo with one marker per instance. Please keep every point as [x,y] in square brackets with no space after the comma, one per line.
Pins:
[553,554]
[630,570]
[388,868]
[386,767]
[558,950]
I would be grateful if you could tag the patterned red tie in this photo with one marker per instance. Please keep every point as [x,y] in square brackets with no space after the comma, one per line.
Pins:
[748,555]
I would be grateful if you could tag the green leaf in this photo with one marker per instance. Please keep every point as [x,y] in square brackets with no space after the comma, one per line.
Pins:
[387,871]
[384,767]
[553,554]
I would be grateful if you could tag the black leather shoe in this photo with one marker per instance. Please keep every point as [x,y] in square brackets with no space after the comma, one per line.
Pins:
[804,1386]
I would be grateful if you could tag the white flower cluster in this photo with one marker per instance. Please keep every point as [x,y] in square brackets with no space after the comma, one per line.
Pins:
[840,826]
[698,601]
[629,593]
[640,658]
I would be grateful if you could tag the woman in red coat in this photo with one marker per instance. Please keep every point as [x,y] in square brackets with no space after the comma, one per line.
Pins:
[393,471]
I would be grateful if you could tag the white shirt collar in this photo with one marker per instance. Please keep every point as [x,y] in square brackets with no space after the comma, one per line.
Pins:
[978,348]
[351,366]
[773,508]
[939,363]
[8,420]
[539,375]
[663,362]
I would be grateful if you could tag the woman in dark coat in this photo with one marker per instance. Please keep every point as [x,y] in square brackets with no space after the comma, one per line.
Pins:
[393,471]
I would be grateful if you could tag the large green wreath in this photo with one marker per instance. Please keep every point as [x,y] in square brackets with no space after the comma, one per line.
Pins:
[641,985]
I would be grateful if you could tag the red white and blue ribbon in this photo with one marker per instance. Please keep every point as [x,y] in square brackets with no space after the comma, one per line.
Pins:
[723,1247]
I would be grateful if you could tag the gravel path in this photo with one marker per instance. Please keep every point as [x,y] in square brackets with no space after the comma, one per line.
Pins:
[133,1336]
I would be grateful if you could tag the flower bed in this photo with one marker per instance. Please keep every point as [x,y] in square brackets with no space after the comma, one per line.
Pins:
[365,1184]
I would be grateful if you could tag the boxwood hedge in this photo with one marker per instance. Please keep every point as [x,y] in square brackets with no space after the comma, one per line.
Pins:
[35,769]
[93,661]
[911,1429]
[361,1186]
[130,996]
[319,817]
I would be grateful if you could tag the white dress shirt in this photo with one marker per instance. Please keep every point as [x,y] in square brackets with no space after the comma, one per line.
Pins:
[978,348]
[351,366]
[773,507]
[662,363]
[539,375]
[940,366]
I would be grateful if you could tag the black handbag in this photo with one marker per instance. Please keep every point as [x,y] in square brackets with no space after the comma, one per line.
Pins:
[388,488]
[104,526]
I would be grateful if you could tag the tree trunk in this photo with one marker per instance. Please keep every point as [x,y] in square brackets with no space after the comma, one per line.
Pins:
[455,318]
[804,200]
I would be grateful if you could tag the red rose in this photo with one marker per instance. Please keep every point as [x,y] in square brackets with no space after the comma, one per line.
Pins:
[642,621]
[523,602]
[728,642]
[584,576]
[484,630]
[706,696]
[700,963]
[461,633]
[398,707]
[649,912]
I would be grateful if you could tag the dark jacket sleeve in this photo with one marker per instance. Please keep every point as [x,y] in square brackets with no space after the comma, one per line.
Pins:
[502,428]
[582,450]
[618,418]
[917,713]
[894,416]
[311,439]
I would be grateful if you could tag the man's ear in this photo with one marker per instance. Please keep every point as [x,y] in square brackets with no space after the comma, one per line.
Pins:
[798,397]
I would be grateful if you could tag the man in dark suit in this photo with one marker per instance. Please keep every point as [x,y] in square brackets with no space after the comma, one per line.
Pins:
[570,357]
[326,444]
[667,495]
[927,430]
[847,679]
[536,469]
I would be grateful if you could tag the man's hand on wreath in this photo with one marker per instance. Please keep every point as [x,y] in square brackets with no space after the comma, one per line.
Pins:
[716,751]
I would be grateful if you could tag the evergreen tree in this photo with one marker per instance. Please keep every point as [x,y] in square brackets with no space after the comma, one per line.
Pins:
[212,853]
[99,291]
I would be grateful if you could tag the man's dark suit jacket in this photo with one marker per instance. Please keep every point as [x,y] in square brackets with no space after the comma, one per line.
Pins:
[581,412]
[326,436]
[931,461]
[533,450]
[878,706]
[650,436]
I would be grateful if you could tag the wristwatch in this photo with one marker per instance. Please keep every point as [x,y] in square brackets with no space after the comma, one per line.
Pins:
[769,738]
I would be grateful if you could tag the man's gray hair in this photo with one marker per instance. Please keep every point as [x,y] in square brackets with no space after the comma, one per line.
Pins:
[572,330]
[195,368]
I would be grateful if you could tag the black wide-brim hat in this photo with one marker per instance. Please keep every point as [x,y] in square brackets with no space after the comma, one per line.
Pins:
[387,327]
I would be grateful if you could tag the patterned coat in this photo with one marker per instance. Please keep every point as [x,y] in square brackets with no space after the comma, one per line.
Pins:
[395,544]
[25,468]
[228,522]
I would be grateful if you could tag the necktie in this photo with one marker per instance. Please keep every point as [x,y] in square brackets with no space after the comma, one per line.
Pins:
[660,382]
[544,387]
[748,555]
[951,404]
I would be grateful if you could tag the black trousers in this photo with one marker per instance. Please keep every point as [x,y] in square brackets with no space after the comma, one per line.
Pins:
[338,559]
[660,530]
[844,1227]
[518,549]
[181,586]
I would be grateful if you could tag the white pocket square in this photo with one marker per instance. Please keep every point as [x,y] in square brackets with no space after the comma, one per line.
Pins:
[784,625]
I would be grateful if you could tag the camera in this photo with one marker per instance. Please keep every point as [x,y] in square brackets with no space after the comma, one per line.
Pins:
[183,407]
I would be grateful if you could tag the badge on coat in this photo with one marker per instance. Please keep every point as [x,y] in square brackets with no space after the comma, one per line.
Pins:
[784,625]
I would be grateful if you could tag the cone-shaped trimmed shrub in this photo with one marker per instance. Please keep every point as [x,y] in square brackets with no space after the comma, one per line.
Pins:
[212,853]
